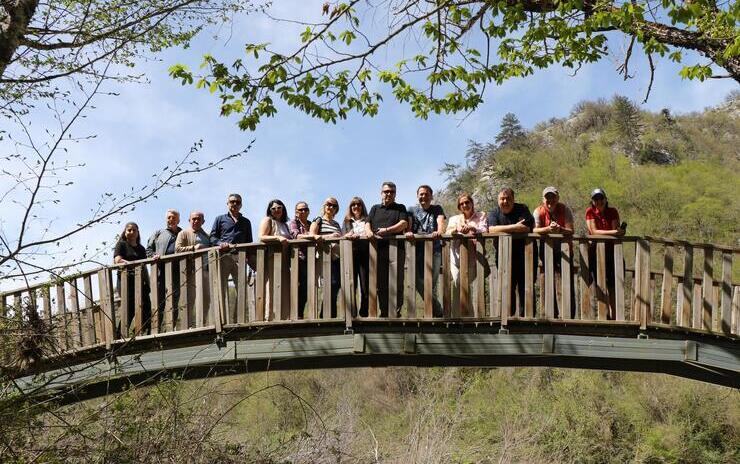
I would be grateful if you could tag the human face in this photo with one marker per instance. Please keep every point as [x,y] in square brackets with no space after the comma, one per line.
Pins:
[465,205]
[234,204]
[276,211]
[551,199]
[196,221]
[599,202]
[331,207]
[506,201]
[301,211]
[173,219]
[131,233]
[387,195]
[356,209]
[425,197]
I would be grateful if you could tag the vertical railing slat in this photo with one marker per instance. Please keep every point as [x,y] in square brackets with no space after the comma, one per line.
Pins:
[123,304]
[463,281]
[63,326]
[326,296]
[584,279]
[410,279]
[169,296]
[294,265]
[707,290]
[428,279]
[529,269]
[87,294]
[241,287]
[200,297]
[76,315]
[154,297]
[311,277]
[277,301]
[602,298]
[619,281]
[504,264]
[666,306]
[480,279]
[446,280]
[566,280]
[392,278]
[138,300]
[549,280]
[687,288]
[259,285]
[726,292]
[372,300]
[494,293]
[217,303]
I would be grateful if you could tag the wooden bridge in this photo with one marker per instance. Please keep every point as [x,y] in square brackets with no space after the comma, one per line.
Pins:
[675,310]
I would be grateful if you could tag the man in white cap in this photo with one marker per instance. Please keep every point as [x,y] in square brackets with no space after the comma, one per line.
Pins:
[553,217]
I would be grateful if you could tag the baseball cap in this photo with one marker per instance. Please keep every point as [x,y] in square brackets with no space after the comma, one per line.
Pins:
[598,191]
[550,190]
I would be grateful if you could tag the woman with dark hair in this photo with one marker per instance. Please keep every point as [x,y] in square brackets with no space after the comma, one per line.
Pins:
[355,226]
[602,219]
[129,248]
[274,229]
[326,225]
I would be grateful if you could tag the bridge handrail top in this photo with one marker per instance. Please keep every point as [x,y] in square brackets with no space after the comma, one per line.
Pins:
[416,237]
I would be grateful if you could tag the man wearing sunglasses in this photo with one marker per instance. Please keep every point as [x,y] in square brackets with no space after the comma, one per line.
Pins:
[387,219]
[229,230]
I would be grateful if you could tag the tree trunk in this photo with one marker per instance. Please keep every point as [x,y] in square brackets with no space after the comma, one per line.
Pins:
[14,22]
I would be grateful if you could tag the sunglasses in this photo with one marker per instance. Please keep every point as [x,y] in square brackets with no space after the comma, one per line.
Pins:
[354,204]
[236,202]
[301,210]
[388,192]
[598,198]
[276,208]
[332,205]
[466,202]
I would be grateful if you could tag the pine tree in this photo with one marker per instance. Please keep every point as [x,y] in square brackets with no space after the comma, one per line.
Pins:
[511,133]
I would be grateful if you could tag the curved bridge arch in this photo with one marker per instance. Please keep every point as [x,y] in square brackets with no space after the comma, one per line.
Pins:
[666,321]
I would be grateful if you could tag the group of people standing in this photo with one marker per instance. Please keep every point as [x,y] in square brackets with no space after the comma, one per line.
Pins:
[385,219]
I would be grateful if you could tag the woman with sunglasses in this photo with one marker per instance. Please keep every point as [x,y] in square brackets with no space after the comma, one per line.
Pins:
[325,225]
[468,223]
[355,226]
[300,227]
[602,219]
[274,229]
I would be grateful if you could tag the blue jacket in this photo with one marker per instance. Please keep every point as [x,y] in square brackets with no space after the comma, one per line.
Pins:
[225,230]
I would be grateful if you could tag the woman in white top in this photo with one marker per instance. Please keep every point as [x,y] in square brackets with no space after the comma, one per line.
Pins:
[355,227]
[468,223]
[274,229]
[326,225]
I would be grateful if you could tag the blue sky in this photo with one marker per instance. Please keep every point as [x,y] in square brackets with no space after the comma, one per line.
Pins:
[295,157]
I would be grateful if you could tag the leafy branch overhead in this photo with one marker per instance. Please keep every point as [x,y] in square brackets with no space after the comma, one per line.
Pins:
[461,46]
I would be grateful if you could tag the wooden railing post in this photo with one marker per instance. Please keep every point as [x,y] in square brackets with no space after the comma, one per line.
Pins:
[642,279]
[346,265]
[106,302]
[217,289]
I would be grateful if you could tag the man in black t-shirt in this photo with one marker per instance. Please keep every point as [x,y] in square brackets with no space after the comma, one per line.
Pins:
[512,218]
[427,219]
[386,220]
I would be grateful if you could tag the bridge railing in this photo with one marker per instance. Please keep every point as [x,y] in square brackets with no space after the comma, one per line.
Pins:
[641,282]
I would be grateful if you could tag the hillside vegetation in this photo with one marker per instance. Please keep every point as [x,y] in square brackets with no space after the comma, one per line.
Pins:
[669,175]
